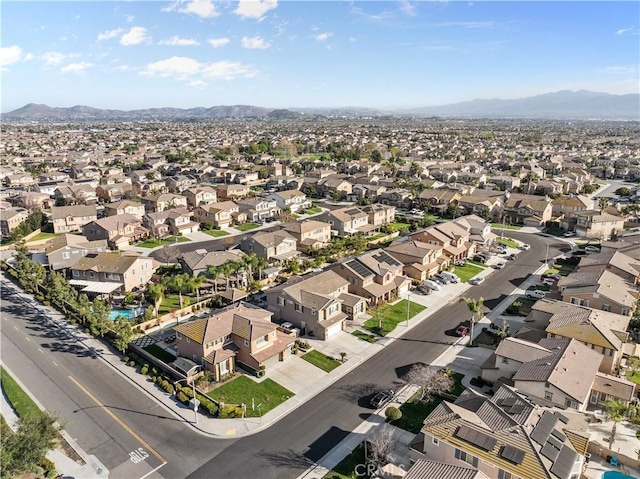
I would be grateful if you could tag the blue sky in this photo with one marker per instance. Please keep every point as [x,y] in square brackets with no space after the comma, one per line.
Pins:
[279,54]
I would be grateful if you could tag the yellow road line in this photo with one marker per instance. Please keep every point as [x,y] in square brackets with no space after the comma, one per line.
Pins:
[116,419]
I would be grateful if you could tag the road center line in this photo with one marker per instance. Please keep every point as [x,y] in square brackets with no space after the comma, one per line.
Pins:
[117,419]
[55,364]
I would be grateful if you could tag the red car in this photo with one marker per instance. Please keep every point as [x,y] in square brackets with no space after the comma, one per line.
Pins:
[462,331]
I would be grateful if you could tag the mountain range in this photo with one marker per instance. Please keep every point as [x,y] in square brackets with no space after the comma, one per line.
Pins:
[564,105]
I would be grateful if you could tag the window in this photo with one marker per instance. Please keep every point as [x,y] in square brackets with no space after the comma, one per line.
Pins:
[246,342]
[188,339]
[505,475]
[505,360]
[571,403]
[297,307]
[76,273]
[580,301]
[280,301]
[548,395]
[313,311]
[224,366]
[65,255]
[262,339]
[606,307]
[435,441]
[194,358]
[466,457]
[624,311]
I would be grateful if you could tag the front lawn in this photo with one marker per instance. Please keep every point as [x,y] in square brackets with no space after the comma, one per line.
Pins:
[169,303]
[346,469]
[364,336]
[313,210]
[321,361]
[161,354]
[399,226]
[476,263]
[20,401]
[468,271]
[247,226]
[245,390]
[524,307]
[43,236]
[510,243]
[505,226]
[154,243]
[392,316]
[414,412]
[216,233]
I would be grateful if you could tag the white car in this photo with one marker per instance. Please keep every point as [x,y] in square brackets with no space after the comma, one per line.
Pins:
[290,328]
[592,249]
[548,282]
[432,285]
[499,265]
[537,294]
[477,280]
[525,246]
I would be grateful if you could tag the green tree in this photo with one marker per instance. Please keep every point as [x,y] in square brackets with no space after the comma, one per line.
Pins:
[530,178]
[178,283]
[603,203]
[615,411]
[194,284]
[214,273]
[392,413]
[292,266]
[124,334]
[475,307]
[250,262]
[155,294]
[623,191]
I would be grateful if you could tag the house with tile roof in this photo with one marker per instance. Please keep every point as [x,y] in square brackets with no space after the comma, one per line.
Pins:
[421,260]
[504,436]
[221,214]
[200,195]
[348,221]
[125,207]
[164,201]
[602,290]
[294,200]
[427,469]
[627,267]
[241,335]
[63,251]
[118,230]
[593,224]
[527,210]
[309,234]
[271,245]
[68,219]
[196,263]
[258,209]
[453,237]
[602,331]
[317,304]
[375,275]
[128,271]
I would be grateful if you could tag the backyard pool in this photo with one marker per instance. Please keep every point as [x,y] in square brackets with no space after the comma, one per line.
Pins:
[615,475]
[127,314]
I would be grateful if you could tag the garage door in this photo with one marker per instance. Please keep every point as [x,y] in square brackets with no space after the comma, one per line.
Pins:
[333,330]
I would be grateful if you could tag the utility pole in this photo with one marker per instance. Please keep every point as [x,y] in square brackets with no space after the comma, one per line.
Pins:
[408,305]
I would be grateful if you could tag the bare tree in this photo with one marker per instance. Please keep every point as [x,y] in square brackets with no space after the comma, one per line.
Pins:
[168,253]
[431,381]
[380,445]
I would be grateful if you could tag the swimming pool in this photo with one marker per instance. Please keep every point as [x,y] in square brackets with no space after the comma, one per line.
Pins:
[615,475]
[127,314]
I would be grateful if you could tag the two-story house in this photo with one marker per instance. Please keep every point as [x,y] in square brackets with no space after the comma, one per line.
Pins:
[602,290]
[121,230]
[67,219]
[452,237]
[258,209]
[200,195]
[294,200]
[380,215]
[593,224]
[438,200]
[232,191]
[315,303]
[272,246]
[563,205]
[114,192]
[126,271]
[84,194]
[10,219]
[478,228]
[63,251]
[165,201]
[242,335]
[170,222]
[125,207]
[221,214]
[627,267]
[196,263]
[421,260]
[347,221]
[375,275]
[309,234]
[527,210]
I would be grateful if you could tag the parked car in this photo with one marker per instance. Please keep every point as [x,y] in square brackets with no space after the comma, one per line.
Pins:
[479,259]
[450,276]
[441,278]
[548,282]
[536,294]
[290,328]
[460,263]
[477,280]
[382,398]
[432,285]
[569,234]
[462,331]
[554,276]
[510,257]
[423,289]
[524,247]
[499,265]
[592,249]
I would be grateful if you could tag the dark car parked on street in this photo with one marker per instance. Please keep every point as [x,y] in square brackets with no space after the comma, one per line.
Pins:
[382,398]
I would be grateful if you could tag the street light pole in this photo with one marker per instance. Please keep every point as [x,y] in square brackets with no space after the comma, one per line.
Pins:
[195,402]
[408,304]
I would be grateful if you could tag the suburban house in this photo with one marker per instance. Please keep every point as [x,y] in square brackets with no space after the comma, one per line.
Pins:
[241,335]
[114,192]
[527,210]
[602,331]
[602,290]
[454,239]
[276,245]
[506,436]
[10,219]
[563,205]
[221,214]
[125,207]
[83,194]
[164,201]
[593,224]
[317,303]
[63,251]
[117,230]
[196,263]
[309,234]
[175,221]
[336,185]
[478,228]
[398,197]
[67,219]
[380,215]
[481,205]
[421,260]
[122,272]
[233,191]
[294,200]
[348,221]
[258,209]
[375,275]
[200,195]
[617,262]
[439,200]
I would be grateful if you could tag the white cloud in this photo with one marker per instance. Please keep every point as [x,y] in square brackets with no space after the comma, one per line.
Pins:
[408,8]
[323,37]
[10,55]
[129,18]
[122,68]
[197,83]
[52,58]
[109,34]
[254,43]
[218,42]
[201,8]
[196,73]
[254,8]
[76,67]
[135,36]
[469,25]
[176,41]
[622,31]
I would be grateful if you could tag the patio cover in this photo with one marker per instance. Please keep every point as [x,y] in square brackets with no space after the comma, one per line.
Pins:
[95,286]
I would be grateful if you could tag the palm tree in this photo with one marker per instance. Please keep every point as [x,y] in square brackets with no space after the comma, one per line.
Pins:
[155,292]
[603,202]
[178,283]
[615,411]
[261,264]
[530,178]
[194,284]
[475,306]
[250,261]
[214,272]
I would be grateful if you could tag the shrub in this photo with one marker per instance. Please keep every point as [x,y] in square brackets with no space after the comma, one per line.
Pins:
[144,370]
[230,412]
[392,413]
[168,387]
[182,397]
[47,465]
[132,364]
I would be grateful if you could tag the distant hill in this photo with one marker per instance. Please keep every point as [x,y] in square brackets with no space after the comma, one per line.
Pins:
[559,105]
[565,104]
